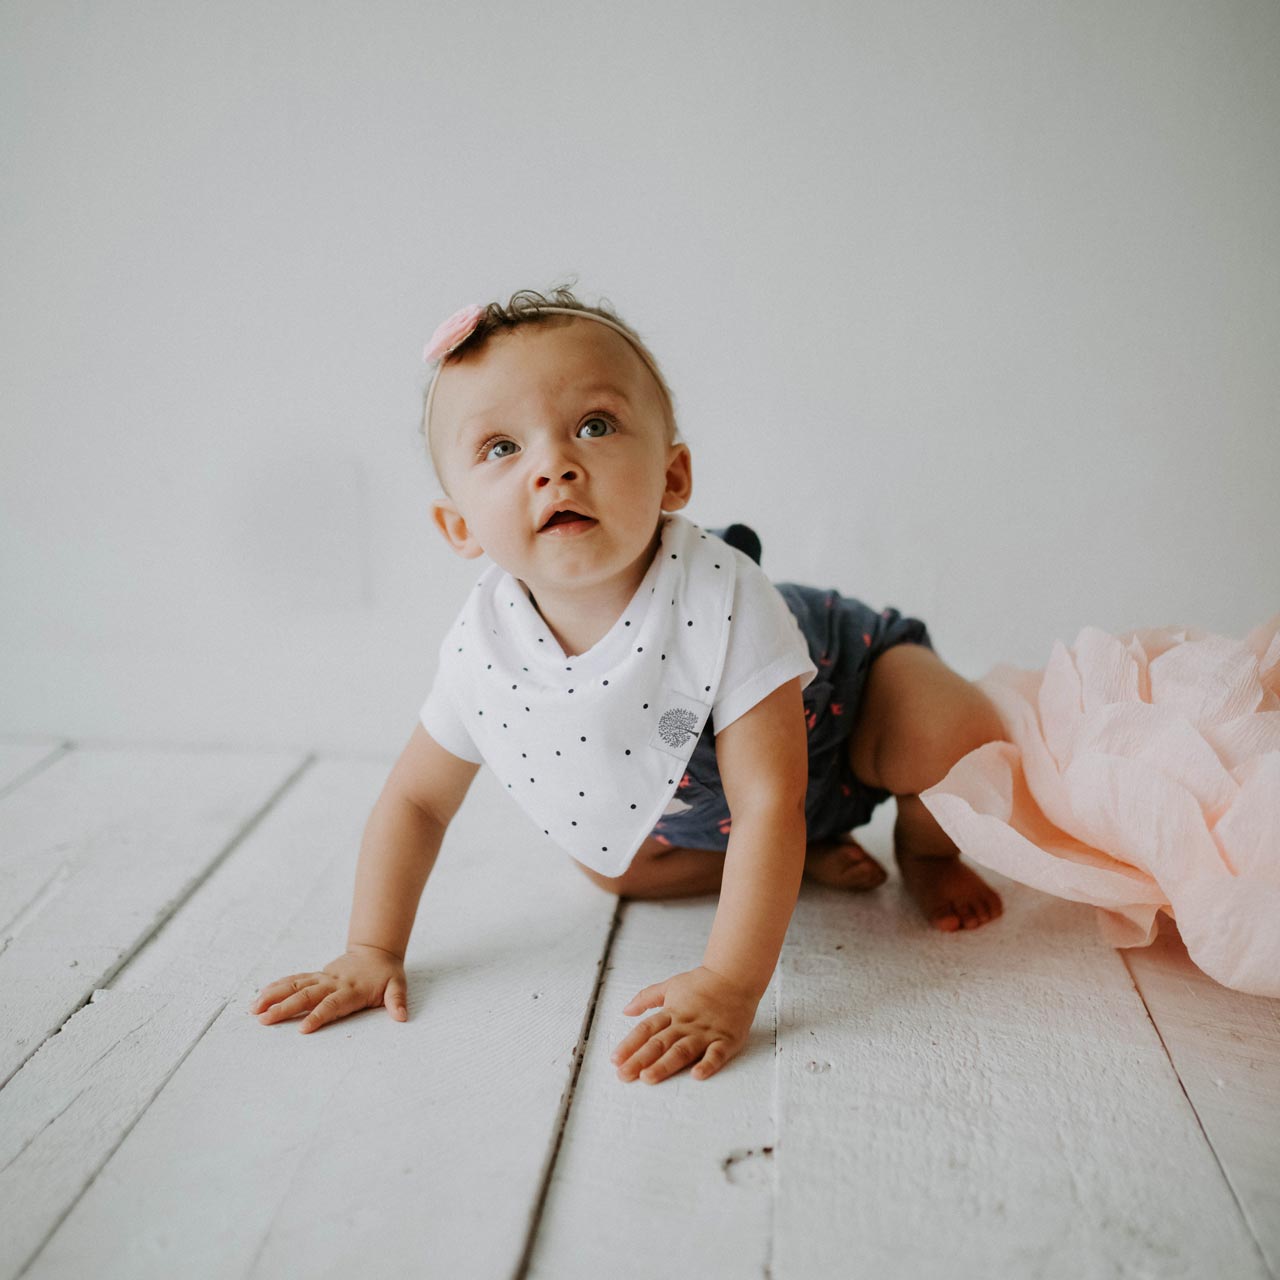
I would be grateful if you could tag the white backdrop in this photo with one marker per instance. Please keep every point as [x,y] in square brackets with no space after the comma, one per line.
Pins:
[972,308]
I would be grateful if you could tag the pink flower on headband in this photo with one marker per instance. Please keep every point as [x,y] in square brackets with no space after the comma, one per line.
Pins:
[452,333]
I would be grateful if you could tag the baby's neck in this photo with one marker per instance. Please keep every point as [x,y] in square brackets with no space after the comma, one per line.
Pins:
[581,617]
[578,627]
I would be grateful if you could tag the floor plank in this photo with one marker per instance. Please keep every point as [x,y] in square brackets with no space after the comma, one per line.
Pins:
[370,1147]
[70,1106]
[995,1103]
[983,1103]
[95,852]
[646,1162]
[1225,1047]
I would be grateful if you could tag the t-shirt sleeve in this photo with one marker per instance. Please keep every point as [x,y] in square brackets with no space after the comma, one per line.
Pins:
[766,647]
[441,720]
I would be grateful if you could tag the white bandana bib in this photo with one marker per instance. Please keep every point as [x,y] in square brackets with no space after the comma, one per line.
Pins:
[592,747]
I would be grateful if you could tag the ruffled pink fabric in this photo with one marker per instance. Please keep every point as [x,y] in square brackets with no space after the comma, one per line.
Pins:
[1142,774]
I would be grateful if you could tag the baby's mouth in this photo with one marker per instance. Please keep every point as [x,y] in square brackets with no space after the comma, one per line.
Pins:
[567,518]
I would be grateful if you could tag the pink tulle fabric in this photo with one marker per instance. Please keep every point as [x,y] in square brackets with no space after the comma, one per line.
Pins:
[1142,774]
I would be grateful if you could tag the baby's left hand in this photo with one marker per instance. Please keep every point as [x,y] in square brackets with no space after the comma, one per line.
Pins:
[704,1016]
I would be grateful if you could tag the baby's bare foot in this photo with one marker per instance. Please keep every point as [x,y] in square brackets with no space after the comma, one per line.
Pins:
[843,864]
[951,895]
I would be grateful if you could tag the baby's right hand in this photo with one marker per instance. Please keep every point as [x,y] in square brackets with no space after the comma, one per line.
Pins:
[361,978]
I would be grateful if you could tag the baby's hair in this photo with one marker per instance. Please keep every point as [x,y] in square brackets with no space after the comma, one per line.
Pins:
[527,306]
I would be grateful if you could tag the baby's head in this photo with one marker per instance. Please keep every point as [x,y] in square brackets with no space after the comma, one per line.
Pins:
[549,409]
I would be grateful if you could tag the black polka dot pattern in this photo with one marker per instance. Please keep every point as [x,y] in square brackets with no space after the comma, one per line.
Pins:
[566,767]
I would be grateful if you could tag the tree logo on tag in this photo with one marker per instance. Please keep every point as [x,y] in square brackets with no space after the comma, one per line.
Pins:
[677,726]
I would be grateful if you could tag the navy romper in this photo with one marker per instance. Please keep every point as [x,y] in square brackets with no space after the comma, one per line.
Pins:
[845,637]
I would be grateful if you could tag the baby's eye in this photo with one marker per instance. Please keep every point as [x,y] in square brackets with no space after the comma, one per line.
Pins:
[500,449]
[594,428]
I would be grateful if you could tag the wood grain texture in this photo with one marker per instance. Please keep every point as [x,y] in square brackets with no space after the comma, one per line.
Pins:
[65,1112]
[687,1162]
[1225,1046]
[994,1103]
[985,1103]
[96,852]
[69,1107]
[369,1147]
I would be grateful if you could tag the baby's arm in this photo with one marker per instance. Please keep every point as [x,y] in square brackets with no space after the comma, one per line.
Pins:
[764,768]
[397,853]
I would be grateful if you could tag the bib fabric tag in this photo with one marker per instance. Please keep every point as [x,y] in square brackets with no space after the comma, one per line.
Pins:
[679,724]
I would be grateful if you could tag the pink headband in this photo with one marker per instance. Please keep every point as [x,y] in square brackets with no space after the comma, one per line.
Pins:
[450,334]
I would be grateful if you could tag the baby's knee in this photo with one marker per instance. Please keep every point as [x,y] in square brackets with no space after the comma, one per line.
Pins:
[980,720]
[927,717]
[634,882]
[614,884]
[970,721]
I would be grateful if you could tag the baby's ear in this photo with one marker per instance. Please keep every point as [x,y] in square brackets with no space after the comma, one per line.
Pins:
[679,478]
[453,527]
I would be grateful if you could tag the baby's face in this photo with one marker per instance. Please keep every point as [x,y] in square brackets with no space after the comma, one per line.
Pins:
[552,443]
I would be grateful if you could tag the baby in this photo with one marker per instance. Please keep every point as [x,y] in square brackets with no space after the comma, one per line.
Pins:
[670,718]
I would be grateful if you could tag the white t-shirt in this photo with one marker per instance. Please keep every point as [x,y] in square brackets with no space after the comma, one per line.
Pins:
[593,746]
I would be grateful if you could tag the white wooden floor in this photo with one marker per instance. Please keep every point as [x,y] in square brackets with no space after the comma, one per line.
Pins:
[1019,1101]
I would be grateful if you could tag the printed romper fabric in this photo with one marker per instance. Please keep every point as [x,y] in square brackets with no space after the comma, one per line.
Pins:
[844,637]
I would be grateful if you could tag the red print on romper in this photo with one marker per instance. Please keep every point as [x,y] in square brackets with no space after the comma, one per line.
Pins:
[725,824]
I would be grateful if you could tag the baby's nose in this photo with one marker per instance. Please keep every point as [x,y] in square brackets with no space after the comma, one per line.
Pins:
[547,476]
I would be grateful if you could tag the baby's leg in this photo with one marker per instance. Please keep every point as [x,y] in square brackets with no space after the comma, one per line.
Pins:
[842,863]
[661,871]
[916,719]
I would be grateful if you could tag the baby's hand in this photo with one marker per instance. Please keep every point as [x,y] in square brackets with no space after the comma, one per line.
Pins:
[361,978]
[704,1016]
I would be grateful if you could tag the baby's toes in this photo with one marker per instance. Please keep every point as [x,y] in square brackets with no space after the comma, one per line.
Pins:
[864,872]
[984,909]
[947,918]
[844,865]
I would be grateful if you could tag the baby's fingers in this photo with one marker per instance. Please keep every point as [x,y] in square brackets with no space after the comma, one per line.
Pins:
[717,1054]
[337,1004]
[279,989]
[685,1050]
[639,1036]
[285,1007]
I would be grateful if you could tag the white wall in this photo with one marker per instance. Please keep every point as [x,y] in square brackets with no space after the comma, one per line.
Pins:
[971,308]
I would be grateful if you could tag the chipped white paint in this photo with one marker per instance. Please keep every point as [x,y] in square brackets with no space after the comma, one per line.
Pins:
[644,1162]
[994,1103]
[1225,1046]
[369,1146]
[95,852]
[985,1103]
[64,1113]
